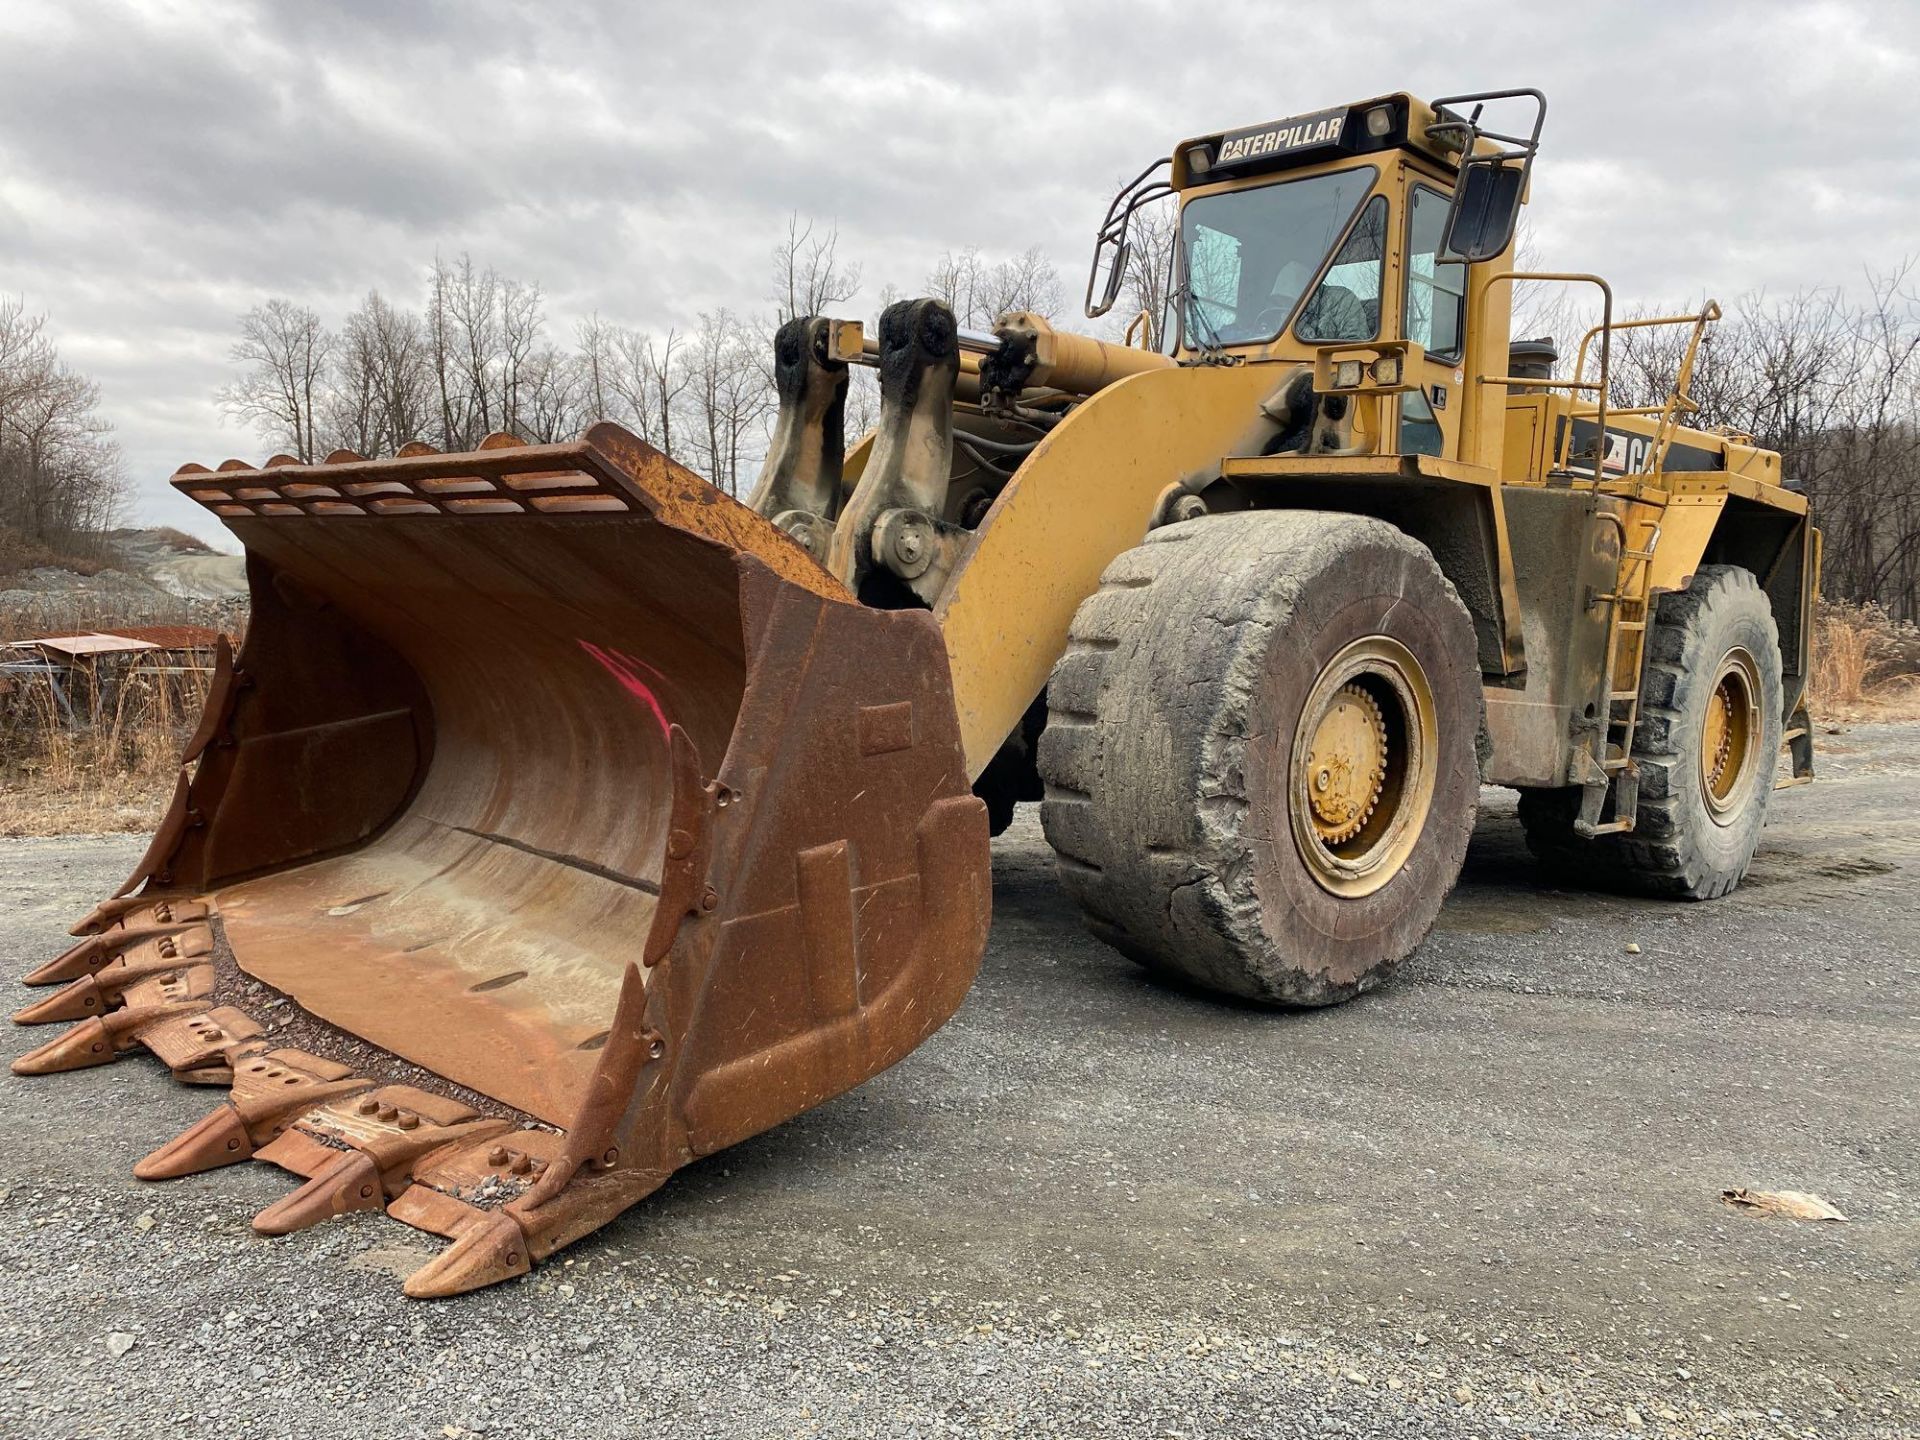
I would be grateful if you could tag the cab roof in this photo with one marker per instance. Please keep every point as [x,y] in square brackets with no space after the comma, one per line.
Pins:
[1386,122]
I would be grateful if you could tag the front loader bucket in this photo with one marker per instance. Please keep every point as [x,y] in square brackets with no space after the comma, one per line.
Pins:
[588,823]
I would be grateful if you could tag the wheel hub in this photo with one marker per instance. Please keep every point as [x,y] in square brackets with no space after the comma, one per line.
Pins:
[1362,773]
[1730,737]
[1346,764]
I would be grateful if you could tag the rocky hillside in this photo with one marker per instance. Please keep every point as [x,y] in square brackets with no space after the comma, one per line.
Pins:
[140,577]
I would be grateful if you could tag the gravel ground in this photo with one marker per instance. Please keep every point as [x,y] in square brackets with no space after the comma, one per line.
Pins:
[1482,1201]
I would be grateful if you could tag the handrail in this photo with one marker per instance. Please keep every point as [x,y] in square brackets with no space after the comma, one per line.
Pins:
[1679,400]
[1579,381]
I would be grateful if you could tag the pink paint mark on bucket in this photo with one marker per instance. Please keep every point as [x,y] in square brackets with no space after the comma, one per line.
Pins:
[626,669]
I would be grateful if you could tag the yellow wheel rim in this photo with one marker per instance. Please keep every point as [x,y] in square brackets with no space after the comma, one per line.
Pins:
[1362,774]
[1730,737]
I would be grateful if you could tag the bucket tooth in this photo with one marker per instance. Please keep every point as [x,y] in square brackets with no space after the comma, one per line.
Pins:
[172,911]
[490,1249]
[76,960]
[269,1092]
[83,998]
[103,991]
[348,1182]
[215,1139]
[392,1129]
[99,1040]
[170,940]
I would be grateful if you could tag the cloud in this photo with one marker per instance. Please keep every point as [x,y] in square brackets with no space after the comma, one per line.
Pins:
[164,166]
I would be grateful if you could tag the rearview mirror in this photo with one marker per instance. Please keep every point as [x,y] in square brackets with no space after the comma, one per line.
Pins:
[1486,208]
[1116,253]
[1111,245]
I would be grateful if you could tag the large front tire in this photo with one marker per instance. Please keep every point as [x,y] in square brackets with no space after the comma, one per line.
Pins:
[1261,752]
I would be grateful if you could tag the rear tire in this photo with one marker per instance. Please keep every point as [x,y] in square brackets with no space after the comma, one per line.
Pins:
[1709,736]
[1710,702]
[1546,818]
[1261,752]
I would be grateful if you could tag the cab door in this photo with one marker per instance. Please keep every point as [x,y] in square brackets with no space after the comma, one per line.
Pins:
[1434,313]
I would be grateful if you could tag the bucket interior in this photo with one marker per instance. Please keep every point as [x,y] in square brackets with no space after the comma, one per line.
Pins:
[484,930]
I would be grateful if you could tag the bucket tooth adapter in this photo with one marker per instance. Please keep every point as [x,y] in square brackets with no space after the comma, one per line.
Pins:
[590,823]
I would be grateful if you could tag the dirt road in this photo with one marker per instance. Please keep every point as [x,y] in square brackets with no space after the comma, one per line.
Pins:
[1484,1200]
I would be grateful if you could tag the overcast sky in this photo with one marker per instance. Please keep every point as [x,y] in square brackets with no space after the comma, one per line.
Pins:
[164,166]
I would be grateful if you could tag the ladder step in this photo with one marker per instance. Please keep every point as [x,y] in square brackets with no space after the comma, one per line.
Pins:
[1623,694]
[1612,827]
[1629,624]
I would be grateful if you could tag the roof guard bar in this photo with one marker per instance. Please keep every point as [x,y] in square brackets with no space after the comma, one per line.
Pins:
[1465,133]
[1143,189]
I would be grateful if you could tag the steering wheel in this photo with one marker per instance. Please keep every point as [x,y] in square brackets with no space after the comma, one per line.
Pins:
[1269,320]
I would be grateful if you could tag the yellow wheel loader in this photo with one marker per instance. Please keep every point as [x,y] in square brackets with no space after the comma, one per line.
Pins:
[592,821]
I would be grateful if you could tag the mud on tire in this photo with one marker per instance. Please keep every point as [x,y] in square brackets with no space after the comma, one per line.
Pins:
[1171,750]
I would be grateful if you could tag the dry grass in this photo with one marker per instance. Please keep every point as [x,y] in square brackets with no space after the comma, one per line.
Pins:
[106,762]
[1866,666]
[106,759]
[181,541]
[18,553]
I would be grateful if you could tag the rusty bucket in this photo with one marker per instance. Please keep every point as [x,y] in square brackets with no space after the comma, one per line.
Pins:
[587,823]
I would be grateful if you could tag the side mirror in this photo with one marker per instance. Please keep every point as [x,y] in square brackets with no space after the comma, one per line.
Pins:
[1115,253]
[1486,202]
[1485,210]
[1111,246]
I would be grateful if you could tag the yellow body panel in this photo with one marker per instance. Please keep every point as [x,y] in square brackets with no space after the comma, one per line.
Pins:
[1686,525]
[1088,492]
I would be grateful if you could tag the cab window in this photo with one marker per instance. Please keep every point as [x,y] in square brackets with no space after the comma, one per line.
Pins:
[1436,287]
[1249,257]
[1346,303]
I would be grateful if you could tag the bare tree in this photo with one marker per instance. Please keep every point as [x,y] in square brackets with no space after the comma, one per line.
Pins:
[659,379]
[60,475]
[597,356]
[809,278]
[520,326]
[729,399]
[549,397]
[285,352]
[1026,281]
[958,278]
[1146,283]
[979,291]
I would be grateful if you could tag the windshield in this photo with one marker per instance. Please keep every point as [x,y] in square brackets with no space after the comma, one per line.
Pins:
[1249,255]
